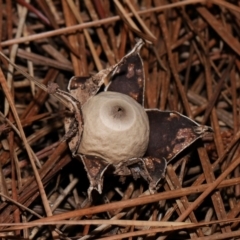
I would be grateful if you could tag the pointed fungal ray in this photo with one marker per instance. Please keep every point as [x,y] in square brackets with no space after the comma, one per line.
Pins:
[82,88]
[128,76]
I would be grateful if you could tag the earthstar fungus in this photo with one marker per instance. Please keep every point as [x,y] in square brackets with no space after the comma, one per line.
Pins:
[113,128]
[169,132]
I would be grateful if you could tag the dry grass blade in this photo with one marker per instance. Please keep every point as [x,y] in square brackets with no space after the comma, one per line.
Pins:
[40,85]
[87,36]
[191,66]
[131,24]
[136,202]
[225,35]
[31,156]
[23,14]
[91,24]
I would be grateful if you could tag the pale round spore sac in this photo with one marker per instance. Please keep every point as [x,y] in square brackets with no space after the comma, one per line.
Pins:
[116,127]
